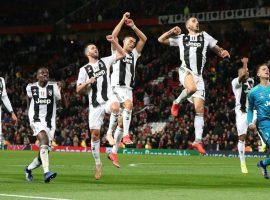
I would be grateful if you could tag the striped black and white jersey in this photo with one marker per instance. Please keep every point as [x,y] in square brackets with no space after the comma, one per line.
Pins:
[43,103]
[240,91]
[123,71]
[3,91]
[193,50]
[100,90]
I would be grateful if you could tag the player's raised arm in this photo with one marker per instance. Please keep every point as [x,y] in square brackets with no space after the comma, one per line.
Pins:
[120,53]
[164,38]
[244,70]
[118,27]
[142,38]
[221,52]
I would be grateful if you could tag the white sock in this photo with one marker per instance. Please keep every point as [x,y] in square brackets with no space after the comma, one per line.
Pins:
[241,150]
[34,164]
[182,97]
[118,135]
[198,125]
[126,121]
[95,145]
[113,122]
[44,156]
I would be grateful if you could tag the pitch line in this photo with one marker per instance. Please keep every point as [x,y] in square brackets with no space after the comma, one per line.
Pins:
[30,197]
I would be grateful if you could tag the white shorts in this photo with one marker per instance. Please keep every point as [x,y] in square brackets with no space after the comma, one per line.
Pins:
[121,94]
[37,127]
[96,115]
[241,122]
[200,93]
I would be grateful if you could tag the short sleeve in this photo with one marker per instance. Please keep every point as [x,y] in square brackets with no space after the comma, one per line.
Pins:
[136,53]
[212,42]
[82,77]
[4,92]
[174,41]
[57,92]
[109,60]
[28,90]
[235,83]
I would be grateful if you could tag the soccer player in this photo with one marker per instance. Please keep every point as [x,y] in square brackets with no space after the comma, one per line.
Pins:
[193,47]
[241,86]
[7,104]
[94,78]
[122,78]
[42,117]
[259,100]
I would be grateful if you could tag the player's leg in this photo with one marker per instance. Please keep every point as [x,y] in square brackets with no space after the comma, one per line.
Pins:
[95,149]
[198,124]
[118,135]
[115,107]
[188,82]
[96,116]
[128,106]
[33,165]
[265,134]
[44,156]
[241,125]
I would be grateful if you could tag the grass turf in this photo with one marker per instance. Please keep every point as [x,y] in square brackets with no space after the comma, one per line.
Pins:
[140,177]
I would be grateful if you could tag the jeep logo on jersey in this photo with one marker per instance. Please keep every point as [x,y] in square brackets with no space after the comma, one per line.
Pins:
[43,101]
[127,60]
[194,44]
[100,73]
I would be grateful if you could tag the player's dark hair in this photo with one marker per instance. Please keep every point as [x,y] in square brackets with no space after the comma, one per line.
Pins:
[85,47]
[40,68]
[127,36]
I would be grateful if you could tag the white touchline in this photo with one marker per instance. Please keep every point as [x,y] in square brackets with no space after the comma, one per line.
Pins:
[30,197]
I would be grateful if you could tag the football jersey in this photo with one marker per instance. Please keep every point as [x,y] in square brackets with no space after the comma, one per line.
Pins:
[3,91]
[240,91]
[259,99]
[43,103]
[193,50]
[123,71]
[100,90]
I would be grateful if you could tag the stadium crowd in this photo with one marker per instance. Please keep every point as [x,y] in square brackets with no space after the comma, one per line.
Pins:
[87,11]
[22,55]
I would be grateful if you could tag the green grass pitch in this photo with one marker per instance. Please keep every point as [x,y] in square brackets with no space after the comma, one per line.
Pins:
[140,177]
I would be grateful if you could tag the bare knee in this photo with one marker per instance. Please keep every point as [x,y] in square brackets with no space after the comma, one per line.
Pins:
[242,137]
[43,138]
[115,107]
[128,105]
[95,134]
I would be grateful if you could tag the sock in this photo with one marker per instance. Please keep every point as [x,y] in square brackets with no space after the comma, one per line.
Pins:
[266,162]
[182,97]
[44,156]
[198,125]
[34,164]
[113,122]
[126,121]
[241,150]
[95,145]
[118,137]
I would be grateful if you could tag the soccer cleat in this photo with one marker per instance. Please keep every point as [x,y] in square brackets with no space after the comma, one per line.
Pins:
[113,157]
[28,174]
[127,140]
[98,171]
[244,169]
[175,109]
[110,139]
[49,176]
[261,166]
[199,147]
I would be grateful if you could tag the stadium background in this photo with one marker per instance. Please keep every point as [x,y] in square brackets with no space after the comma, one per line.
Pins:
[53,34]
